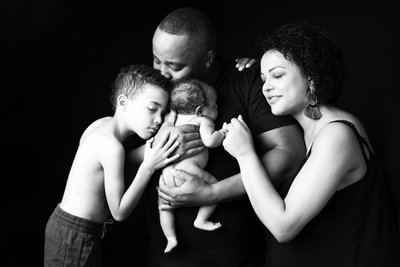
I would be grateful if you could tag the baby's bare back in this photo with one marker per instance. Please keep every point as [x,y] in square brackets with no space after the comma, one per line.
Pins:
[199,160]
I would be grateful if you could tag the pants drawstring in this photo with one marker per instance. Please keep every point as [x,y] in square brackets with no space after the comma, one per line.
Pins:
[103,233]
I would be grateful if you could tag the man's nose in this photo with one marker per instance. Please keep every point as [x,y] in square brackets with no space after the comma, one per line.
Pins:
[164,72]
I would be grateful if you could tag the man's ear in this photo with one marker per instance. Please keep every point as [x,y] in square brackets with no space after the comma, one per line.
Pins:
[209,58]
[199,109]
[122,101]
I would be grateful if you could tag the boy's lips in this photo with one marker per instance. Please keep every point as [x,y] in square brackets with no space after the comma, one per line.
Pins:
[153,129]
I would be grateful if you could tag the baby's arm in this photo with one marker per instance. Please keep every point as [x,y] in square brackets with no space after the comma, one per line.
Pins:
[210,137]
[121,202]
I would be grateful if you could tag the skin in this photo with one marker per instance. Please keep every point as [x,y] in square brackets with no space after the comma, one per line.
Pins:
[244,62]
[284,145]
[336,160]
[95,188]
[204,117]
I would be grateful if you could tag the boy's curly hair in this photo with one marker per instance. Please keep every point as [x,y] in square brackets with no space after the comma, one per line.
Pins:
[131,80]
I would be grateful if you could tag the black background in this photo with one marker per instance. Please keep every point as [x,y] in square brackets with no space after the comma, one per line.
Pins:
[60,57]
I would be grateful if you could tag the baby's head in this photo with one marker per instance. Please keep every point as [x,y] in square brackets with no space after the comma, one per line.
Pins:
[140,98]
[191,96]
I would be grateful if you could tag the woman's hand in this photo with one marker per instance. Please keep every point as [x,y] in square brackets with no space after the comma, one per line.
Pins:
[238,141]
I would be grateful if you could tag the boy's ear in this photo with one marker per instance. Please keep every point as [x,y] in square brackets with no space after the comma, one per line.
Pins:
[209,58]
[199,109]
[122,101]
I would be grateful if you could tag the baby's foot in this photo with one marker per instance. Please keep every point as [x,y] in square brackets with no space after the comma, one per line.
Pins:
[206,225]
[172,242]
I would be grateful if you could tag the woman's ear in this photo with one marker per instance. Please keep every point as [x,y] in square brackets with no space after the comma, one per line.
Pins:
[199,109]
[122,101]
[209,58]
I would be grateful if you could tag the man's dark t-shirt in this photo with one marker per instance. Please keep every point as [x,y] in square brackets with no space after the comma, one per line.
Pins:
[241,239]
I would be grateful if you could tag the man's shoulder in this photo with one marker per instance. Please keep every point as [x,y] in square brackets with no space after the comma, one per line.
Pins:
[229,74]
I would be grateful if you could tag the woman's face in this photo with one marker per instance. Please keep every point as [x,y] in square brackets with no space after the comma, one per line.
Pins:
[284,84]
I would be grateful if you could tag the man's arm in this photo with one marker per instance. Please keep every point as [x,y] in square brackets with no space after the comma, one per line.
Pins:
[284,153]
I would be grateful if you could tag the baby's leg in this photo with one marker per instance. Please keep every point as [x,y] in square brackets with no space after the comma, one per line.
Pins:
[167,221]
[202,221]
[203,215]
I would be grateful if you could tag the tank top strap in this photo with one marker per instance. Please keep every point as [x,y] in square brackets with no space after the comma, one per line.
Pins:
[361,140]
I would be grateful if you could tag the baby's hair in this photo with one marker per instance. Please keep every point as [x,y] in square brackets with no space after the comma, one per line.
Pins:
[187,95]
[131,80]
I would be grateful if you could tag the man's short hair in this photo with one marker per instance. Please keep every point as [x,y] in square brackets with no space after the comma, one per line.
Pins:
[192,22]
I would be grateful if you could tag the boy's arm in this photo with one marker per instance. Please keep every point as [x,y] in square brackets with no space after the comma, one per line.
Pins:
[121,203]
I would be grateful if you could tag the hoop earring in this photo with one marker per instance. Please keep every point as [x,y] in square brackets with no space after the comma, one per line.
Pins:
[312,109]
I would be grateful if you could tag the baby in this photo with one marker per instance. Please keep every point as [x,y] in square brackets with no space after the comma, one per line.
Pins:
[195,103]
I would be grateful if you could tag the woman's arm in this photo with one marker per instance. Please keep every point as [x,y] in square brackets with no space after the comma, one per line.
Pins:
[313,186]
[282,159]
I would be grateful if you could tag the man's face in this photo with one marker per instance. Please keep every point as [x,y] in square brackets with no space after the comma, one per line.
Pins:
[175,57]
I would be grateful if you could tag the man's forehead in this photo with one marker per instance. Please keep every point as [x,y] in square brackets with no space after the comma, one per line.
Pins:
[173,48]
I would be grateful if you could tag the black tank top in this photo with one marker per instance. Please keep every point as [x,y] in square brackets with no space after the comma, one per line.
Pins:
[357,227]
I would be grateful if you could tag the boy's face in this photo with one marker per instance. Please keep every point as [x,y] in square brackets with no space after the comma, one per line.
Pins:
[146,110]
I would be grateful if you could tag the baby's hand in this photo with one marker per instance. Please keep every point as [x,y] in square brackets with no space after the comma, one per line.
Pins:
[224,129]
[157,156]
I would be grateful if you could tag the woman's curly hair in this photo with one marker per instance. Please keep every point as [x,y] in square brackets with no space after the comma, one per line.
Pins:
[315,52]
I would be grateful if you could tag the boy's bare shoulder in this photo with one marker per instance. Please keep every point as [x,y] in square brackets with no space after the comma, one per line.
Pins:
[97,128]
[100,137]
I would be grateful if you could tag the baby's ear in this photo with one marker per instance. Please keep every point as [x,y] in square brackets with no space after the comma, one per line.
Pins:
[199,110]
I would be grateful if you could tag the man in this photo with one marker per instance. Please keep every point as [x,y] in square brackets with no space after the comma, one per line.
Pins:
[183,46]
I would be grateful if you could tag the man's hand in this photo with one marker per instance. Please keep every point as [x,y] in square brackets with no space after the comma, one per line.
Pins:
[244,62]
[195,190]
[188,136]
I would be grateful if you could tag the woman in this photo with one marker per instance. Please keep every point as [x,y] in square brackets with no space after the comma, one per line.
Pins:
[335,212]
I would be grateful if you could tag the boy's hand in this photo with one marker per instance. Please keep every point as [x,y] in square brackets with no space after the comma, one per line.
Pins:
[158,155]
[188,136]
